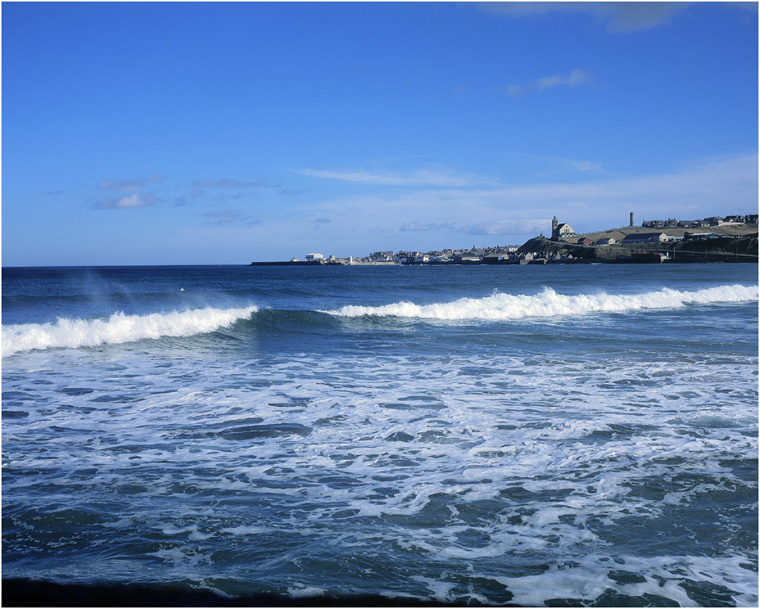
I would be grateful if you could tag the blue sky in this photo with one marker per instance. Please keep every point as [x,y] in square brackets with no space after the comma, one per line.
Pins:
[212,133]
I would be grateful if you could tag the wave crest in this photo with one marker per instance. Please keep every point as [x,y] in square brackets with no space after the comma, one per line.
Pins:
[503,307]
[118,328]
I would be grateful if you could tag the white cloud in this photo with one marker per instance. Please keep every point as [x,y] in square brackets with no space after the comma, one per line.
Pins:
[434,217]
[576,78]
[129,202]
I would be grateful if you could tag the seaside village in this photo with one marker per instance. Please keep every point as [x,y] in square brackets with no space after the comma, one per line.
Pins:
[560,232]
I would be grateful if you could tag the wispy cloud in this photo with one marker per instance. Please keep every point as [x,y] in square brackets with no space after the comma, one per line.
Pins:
[417,227]
[542,164]
[616,16]
[508,227]
[434,217]
[292,192]
[230,217]
[128,202]
[576,78]
[585,166]
[128,185]
[418,178]
[230,183]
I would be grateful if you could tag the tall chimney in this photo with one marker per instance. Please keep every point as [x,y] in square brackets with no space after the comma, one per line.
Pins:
[631,218]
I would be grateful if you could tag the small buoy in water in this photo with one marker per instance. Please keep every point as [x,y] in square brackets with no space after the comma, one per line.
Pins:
[182,289]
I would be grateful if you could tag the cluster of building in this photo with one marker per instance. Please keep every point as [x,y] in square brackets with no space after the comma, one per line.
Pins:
[704,222]
[506,254]
[664,237]
[561,231]
[509,254]
[475,255]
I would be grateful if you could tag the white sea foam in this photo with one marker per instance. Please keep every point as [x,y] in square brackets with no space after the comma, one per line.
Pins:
[118,328]
[507,466]
[301,591]
[588,577]
[503,307]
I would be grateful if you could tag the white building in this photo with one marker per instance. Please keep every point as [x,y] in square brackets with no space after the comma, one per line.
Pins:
[645,238]
[561,230]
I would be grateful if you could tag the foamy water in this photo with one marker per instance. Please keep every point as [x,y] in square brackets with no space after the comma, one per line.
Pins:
[502,307]
[121,328]
[609,459]
[118,328]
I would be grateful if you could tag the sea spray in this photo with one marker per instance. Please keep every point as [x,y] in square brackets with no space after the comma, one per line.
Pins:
[118,328]
[504,307]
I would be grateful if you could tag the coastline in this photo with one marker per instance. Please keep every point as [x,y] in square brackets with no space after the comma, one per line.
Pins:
[741,248]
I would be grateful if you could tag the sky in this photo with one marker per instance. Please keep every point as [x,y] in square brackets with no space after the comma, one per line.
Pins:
[223,133]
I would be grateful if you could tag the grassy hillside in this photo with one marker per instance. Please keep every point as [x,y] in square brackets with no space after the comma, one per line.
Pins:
[722,249]
[619,233]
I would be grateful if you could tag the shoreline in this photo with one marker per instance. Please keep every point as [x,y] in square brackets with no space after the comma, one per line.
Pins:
[24,592]
[540,250]
[727,258]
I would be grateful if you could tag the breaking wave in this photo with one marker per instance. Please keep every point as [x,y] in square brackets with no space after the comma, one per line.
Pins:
[118,328]
[503,307]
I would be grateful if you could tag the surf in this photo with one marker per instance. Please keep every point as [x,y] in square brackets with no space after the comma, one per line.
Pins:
[505,307]
[118,328]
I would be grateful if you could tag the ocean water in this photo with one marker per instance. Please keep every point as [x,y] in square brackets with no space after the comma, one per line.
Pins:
[532,435]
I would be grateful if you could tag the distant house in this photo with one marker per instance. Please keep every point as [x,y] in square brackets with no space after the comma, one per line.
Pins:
[467,257]
[496,257]
[561,230]
[584,241]
[381,256]
[312,257]
[605,241]
[644,238]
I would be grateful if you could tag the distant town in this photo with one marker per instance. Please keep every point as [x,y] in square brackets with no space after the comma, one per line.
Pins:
[730,238]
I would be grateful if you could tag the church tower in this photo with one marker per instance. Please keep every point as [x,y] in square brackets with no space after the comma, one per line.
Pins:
[555,224]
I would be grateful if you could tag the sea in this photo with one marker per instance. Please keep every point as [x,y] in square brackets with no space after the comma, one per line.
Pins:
[537,435]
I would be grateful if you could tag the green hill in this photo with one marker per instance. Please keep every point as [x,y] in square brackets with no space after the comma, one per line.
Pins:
[730,247]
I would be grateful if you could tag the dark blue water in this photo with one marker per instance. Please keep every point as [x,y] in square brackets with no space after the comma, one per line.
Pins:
[533,435]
